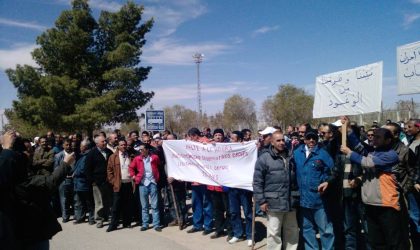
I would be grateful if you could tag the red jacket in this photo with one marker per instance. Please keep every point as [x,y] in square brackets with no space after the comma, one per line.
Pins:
[136,168]
[215,188]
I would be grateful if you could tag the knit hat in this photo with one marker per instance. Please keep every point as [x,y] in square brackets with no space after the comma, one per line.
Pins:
[194,131]
[219,131]
[311,134]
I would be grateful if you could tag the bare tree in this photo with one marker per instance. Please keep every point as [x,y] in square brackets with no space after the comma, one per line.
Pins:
[239,113]
[179,119]
[290,105]
[216,120]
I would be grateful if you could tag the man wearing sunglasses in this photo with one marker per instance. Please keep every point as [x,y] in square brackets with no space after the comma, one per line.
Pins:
[369,140]
[313,171]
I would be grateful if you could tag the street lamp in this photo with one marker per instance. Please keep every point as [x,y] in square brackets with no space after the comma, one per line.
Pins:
[198,58]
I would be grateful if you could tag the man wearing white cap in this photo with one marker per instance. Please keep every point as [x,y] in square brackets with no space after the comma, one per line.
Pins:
[265,142]
[35,144]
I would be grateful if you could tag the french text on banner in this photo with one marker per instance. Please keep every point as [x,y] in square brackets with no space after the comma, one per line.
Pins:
[218,164]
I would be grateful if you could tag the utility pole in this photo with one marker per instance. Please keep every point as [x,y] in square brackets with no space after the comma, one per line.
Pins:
[198,58]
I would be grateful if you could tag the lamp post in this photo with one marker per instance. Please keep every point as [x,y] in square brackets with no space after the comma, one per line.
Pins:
[198,58]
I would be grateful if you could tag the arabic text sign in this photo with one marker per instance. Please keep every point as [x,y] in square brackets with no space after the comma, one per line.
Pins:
[220,164]
[408,68]
[349,92]
[155,120]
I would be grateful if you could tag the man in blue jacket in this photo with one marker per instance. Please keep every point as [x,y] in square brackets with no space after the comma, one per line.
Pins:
[83,196]
[66,187]
[313,169]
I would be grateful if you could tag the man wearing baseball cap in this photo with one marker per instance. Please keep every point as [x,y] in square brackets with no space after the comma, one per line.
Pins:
[313,171]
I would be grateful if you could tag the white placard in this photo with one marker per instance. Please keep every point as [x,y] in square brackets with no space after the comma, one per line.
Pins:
[408,68]
[349,92]
[220,164]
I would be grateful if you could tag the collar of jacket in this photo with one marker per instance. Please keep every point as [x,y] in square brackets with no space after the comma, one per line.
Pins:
[274,154]
[141,156]
[314,151]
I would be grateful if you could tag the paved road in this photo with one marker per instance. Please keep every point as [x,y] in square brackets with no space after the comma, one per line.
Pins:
[84,236]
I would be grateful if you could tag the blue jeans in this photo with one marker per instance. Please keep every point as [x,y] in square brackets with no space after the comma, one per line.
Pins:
[414,213]
[145,192]
[202,207]
[354,221]
[66,197]
[238,198]
[83,203]
[317,219]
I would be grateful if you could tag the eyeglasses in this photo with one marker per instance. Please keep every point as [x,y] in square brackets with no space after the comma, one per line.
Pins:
[323,133]
[369,134]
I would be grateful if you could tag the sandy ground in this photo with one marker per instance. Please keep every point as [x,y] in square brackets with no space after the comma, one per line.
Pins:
[85,236]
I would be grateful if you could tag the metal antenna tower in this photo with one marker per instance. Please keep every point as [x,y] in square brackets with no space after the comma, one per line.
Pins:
[198,58]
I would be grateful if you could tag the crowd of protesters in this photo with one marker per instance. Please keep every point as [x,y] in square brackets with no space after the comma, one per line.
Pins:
[314,191]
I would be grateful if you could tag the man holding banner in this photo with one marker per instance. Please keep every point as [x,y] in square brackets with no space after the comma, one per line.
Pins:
[384,203]
[240,197]
[216,164]
[349,92]
[220,200]
[201,202]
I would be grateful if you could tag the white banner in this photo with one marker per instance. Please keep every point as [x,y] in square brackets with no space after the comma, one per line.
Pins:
[220,164]
[349,92]
[408,68]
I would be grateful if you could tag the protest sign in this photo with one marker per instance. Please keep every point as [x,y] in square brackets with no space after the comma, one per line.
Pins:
[349,92]
[408,68]
[219,164]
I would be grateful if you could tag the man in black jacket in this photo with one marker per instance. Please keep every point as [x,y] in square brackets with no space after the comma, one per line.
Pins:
[9,177]
[404,171]
[96,164]
[413,196]
[27,220]
[275,191]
